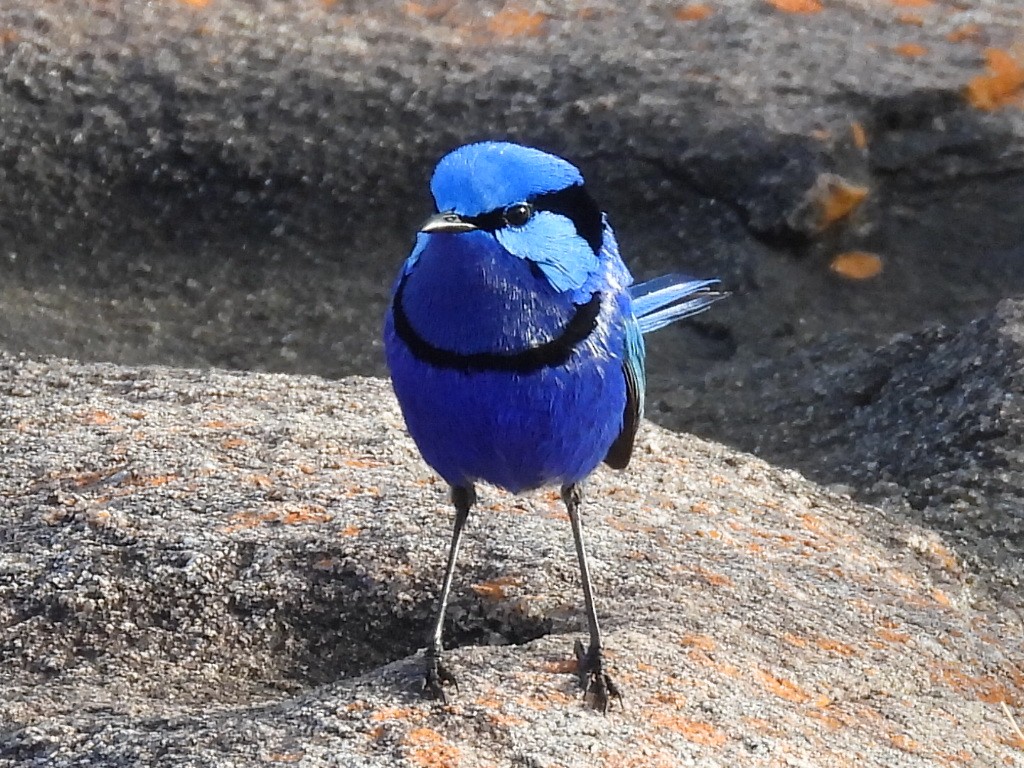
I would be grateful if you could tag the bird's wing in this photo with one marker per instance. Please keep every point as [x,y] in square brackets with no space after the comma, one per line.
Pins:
[656,303]
[636,382]
[660,301]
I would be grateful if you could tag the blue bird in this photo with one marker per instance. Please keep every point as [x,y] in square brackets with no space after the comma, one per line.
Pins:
[515,344]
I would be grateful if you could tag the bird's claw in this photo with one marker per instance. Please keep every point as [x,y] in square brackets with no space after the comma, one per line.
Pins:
[597,686]
[436,677]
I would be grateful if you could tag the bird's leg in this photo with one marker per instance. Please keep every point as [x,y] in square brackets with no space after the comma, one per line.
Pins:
[590,666]
[437,674]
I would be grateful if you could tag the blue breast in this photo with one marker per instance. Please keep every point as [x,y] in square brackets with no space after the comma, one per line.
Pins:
[466,294]
[517,430]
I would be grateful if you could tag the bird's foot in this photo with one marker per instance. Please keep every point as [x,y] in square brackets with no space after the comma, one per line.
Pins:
[597,686]
[436,677]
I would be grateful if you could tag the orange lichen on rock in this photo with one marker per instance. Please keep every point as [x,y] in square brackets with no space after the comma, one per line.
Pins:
[628,526]
[196,3]
[362,463]
[670,699]
[911,3]
[713,578]
[910,50]
[561,666]
[941,555]
[904,743]
[310,513]
[242,520]
[516,22]
[394,713]
[97,418]
[856,265]
[544,699]
[986,688]
[812,522]
[503,719]
[610,758]
[725,669]
[693,12]
[704,642]
[784,689]
[826,718]
[360,490]
[859,135]
[152,481]
[834,646]
[1016,739]
[892,636]
[89,478]
[1003,85]
[431,11]
[910,19]
[836,198]
[429,749]
[971,33]
[696,731]
[796,640]
[796,6]
[495,589]
[963,757]
[285,757]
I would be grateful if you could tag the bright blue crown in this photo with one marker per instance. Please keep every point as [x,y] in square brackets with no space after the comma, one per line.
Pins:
[483,177]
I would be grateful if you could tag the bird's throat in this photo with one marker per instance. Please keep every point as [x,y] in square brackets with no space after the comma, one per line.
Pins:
[554,352]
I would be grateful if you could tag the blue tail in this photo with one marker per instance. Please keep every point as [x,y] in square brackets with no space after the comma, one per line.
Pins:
[656,303]
[660,301]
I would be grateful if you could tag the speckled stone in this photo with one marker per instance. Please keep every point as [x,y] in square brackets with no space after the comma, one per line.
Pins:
[219,569]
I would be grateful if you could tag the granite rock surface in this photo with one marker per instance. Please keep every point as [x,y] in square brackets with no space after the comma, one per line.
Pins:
[220,569]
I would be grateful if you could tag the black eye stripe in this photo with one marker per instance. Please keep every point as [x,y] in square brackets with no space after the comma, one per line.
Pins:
[574,202]
[490,221]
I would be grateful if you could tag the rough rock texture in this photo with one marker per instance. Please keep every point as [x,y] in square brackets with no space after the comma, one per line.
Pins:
[280,114]
[215,569]
[234,182]
[931,423]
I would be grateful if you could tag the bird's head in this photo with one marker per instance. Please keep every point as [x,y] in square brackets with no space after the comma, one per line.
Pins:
[533,203]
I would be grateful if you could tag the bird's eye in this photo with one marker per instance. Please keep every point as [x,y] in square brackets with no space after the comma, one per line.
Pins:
[518,214]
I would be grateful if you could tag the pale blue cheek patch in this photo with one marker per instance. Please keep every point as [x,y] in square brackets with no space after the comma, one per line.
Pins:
[550,241]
